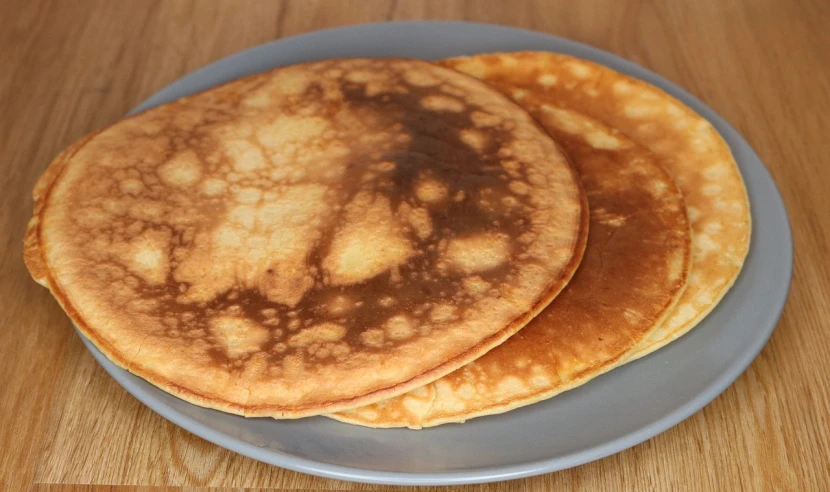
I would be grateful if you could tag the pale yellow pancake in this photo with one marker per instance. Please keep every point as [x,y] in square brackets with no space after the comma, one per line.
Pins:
[634,269]
[309,239]
[685,143]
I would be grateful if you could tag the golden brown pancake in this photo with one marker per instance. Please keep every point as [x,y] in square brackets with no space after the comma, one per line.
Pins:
[685,143]
[309,239]
[633,271]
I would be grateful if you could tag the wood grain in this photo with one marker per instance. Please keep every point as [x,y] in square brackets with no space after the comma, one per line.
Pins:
[67,68]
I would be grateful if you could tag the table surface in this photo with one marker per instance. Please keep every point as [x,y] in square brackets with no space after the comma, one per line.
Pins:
[68,68]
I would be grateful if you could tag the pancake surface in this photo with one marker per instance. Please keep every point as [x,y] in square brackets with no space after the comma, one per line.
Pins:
[309,239]
[686,144]
[633,271]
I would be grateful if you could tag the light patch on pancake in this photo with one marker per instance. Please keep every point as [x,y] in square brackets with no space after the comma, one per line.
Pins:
[674,110]
[399,327]
[91,217]
[638,110]
[340,305]
[711,189]
[682,314]
[564,120]
[547,80]
[213,187]
[385,166]
[244,156]
[430,190]
[512,167]
[539,380]
[509,202]
[693,213]
[415,406]
[603,140]
[421,78]
[475,285]
[322,333]
[367,413]
[147,256]
[284,133]
[681,123]
[613,220]
[242,216]
[241,250]
[439,102]
[482,119]
[375,87]
[474,138]
[148,210]
[473,67]
[676,264]
[712,228]
[360,77]
[479,252]
[579,70]
[293,364]
[632,316]
[622,87]
[258,99]
[442,313]
[658,189]
[715,172]
[509,385]
[705,298]
[293,83]
[131,186]
[703,243]
[248,195]
[519,94]
[372,338]
[240,336]
[448,397]
[418,219]
[466,391]
[183,170]
[368,221]
[519,187]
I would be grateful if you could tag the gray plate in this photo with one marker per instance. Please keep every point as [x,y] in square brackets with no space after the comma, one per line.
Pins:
[607,415]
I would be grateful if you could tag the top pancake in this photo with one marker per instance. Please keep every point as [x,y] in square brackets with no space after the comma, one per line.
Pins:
[633,271]
[685,143]
[309,239]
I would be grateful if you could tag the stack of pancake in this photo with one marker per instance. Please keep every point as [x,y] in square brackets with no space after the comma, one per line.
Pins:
[392,242]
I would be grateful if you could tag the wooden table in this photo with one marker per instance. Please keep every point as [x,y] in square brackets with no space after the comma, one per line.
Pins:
[67,68]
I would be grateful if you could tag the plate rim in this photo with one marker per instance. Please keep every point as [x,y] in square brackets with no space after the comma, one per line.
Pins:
[494,473]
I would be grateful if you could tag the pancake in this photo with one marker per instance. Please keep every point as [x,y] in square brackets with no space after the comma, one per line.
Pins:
[633,271]
[686,144]
[310,239]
